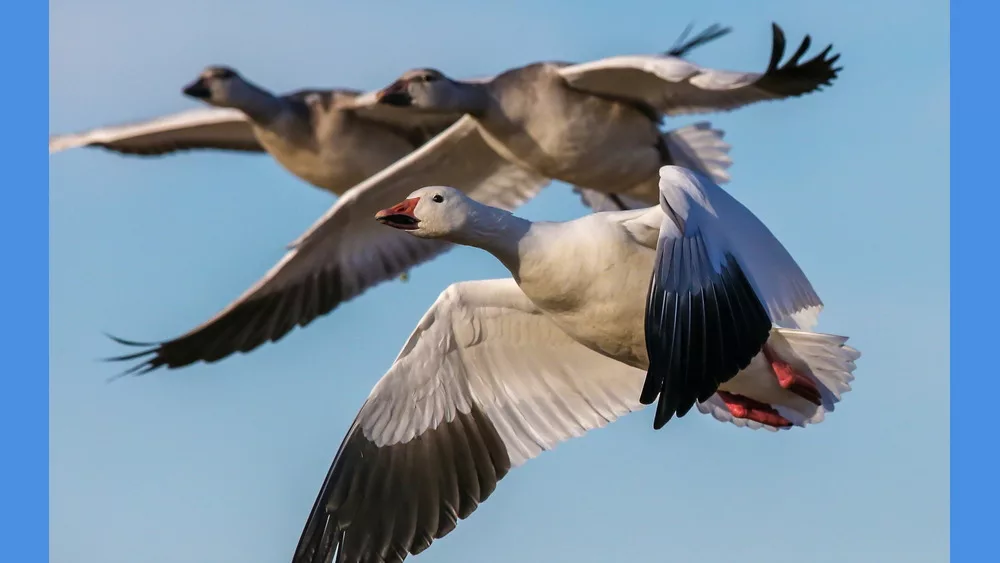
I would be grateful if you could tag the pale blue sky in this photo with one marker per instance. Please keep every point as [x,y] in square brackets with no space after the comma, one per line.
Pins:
[221,463]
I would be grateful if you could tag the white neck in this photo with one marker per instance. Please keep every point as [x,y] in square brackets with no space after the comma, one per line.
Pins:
[496,231]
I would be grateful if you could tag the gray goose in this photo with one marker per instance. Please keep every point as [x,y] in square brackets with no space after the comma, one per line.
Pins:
[321,136]
[596,125]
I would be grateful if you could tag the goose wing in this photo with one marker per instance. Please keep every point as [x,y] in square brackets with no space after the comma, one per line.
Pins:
[720,282]
[484,383]
[346,251]
[200,128]
[674,86]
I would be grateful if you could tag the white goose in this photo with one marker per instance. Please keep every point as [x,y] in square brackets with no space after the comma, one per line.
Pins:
[498,371]
[344,253]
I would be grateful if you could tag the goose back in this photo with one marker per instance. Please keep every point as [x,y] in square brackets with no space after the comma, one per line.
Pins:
[318,140]
[536,120]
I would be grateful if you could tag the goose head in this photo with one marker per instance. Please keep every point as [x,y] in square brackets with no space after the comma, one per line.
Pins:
[431,212]
[223,87]
[430,90]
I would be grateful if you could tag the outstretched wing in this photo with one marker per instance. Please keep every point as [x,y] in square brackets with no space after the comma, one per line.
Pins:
[201,128]
[484,383]
[675,86]
[346,251]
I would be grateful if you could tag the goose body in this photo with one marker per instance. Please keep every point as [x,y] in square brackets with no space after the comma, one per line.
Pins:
[575,137]
[322,141]
[498,371]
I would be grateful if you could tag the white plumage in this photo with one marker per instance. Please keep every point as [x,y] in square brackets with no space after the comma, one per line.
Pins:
[498,371]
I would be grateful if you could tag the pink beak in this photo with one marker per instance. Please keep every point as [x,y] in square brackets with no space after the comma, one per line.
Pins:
[400,216]
[395,94]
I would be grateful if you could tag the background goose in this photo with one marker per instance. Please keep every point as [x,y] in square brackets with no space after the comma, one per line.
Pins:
[324,137]
[498,371]
[596,125]
[344,252]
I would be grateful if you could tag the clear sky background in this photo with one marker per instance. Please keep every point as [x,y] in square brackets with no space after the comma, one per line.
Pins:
[221,463]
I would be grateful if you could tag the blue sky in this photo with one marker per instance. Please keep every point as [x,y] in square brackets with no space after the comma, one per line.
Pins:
[222,463]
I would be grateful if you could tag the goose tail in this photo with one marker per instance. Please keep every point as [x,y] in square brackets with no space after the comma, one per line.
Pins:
[697,147]
[701,148]
[797,378]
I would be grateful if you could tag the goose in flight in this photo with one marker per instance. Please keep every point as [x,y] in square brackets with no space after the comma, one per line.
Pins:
[344,253]
[595,125]
[325,137]
[498,371]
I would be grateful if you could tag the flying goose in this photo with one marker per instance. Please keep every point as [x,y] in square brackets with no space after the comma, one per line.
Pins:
[324,137]
[498,371]
[344,253]
[595,124]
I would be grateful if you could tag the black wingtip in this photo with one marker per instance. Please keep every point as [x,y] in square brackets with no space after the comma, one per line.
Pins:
[132,343]
[149,348]
[698,338]
[797,77]
[778,44]
[682,47]
[659,422]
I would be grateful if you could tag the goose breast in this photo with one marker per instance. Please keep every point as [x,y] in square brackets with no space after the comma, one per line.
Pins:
[333,150]
[570,279]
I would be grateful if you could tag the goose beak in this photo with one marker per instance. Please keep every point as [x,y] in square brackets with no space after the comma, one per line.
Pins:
[197,89]
[400,216]
[395,94]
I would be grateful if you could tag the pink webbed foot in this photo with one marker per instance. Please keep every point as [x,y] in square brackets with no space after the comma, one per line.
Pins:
[745,407]
[792,380]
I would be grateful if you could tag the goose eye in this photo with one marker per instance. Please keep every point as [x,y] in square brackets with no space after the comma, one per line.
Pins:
[430,78]
[438,198]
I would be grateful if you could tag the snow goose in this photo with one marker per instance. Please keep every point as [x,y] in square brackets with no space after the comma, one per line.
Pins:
[498,371]
[595,125]
[324,137]
[344,252]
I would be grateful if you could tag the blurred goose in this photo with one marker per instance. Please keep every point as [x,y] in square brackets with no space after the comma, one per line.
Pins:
[322,136]
[498,371]
[595,125]
[344,252]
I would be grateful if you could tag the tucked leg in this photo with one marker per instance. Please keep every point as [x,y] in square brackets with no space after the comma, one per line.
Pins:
[792,380]
[745,407]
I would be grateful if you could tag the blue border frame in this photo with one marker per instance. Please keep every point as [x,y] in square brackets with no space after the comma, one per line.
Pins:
[24,334]
[975,231]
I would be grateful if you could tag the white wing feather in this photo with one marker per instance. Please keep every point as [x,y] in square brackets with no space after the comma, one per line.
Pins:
[484,343]
[729,227]
[346,252]
[196,128]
